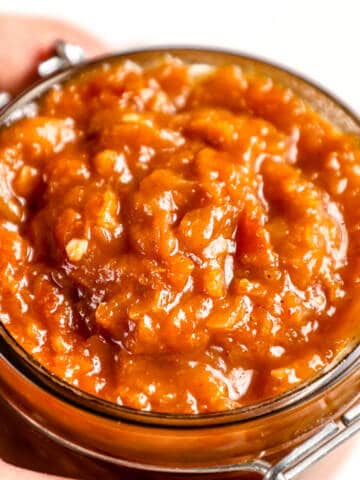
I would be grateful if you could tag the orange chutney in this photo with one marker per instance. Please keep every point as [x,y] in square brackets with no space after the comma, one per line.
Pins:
[179,238]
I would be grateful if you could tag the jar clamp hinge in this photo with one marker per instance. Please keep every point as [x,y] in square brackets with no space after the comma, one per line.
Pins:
[332,435]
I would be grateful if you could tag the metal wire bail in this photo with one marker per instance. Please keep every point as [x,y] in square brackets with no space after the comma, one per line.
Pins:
[66,55]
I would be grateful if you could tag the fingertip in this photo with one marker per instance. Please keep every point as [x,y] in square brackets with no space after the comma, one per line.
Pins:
[27,40]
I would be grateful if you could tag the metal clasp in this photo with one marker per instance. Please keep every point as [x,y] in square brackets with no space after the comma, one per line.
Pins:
[5,98]
[66,55]
[332,435]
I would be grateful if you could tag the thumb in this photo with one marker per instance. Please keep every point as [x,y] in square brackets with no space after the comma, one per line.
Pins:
[25,40]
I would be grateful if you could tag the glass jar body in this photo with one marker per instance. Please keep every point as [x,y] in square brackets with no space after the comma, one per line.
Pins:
[154,443]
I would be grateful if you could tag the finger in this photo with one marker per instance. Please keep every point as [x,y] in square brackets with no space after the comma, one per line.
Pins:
[9,472]
[25,40]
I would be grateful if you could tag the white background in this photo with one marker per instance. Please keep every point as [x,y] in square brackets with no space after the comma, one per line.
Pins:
[319,38]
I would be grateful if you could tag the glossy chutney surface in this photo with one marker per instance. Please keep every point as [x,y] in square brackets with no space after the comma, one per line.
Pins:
[179,238]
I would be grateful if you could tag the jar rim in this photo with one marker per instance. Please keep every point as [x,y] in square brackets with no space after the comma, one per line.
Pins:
[28,366]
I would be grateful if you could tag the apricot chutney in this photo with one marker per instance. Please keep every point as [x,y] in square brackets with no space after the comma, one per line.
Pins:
[179,238]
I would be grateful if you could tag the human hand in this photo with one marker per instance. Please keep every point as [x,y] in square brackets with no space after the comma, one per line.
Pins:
[24,42]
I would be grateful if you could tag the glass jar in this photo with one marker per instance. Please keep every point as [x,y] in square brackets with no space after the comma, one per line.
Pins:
[254,440]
